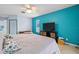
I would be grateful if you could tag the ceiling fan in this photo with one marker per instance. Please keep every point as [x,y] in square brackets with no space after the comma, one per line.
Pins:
[28,8]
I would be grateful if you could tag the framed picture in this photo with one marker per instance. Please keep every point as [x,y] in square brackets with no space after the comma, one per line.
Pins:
[38,26]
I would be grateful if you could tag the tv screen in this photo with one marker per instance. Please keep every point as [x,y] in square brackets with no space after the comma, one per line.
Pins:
[49,27]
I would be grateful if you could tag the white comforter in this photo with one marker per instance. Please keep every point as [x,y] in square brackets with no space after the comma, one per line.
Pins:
[36,44]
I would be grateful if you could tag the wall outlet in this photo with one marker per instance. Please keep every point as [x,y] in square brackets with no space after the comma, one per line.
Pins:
[61,38]
[66,39]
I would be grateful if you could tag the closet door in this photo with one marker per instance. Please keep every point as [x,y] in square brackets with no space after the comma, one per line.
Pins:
[12,27]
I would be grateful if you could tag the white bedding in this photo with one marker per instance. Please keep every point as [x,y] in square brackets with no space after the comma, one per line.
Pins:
[36,44]
[1,42]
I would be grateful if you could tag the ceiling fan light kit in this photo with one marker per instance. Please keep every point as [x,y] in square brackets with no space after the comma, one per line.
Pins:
[28,9]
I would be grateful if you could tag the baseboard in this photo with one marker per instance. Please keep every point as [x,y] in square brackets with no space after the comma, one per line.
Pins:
[72,44]
[24,31]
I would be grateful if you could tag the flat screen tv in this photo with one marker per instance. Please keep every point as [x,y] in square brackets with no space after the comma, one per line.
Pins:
[49,27]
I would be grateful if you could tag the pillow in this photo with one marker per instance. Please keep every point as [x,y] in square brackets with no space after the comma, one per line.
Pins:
[11,46]
[1,41]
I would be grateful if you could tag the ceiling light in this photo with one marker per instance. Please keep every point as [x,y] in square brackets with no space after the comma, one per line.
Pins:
[28,8]
[29,11]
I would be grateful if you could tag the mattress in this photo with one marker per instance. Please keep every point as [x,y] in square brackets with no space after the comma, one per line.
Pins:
[35,44]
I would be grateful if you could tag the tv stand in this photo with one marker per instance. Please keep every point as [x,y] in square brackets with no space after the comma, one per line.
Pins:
[49,34]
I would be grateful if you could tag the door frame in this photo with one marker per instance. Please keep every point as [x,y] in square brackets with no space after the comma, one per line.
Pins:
[9,25]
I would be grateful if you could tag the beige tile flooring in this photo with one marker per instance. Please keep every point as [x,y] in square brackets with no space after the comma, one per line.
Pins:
[67,49]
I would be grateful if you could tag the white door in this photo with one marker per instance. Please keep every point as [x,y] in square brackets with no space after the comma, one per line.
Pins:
[12,27]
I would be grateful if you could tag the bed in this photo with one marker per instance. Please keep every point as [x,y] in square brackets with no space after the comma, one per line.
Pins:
[35,44]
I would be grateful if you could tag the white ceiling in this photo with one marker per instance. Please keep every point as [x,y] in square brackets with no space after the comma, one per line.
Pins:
[15,9]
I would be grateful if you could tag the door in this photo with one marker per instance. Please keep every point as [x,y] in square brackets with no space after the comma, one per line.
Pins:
[12,27]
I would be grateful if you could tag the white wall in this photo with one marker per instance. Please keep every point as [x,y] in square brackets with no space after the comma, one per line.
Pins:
[24,23]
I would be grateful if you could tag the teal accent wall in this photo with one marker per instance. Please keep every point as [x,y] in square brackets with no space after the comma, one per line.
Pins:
[67,23]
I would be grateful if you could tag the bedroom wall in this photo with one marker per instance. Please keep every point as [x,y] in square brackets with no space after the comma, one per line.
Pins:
[67,23]
[24,23]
